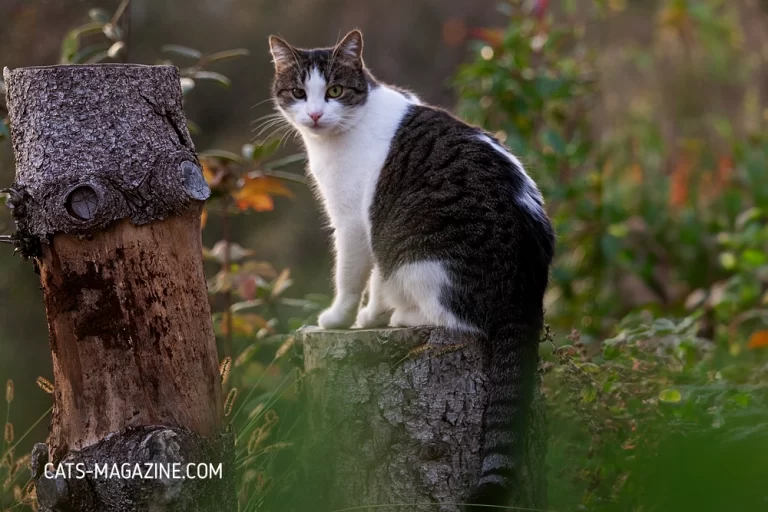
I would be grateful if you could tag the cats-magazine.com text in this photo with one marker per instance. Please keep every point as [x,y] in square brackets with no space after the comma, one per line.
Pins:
[127,471]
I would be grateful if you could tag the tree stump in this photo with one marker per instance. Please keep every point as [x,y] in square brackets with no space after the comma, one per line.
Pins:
[395,417]
[107,202]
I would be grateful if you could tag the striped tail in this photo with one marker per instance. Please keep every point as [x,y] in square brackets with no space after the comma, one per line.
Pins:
[512,370]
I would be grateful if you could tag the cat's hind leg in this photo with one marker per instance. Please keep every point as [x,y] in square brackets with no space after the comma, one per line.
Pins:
[422,285]
[412,317]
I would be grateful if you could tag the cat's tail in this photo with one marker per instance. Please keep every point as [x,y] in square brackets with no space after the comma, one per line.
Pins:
[513,361]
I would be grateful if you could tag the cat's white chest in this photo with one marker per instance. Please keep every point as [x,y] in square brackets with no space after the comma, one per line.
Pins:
[346,167]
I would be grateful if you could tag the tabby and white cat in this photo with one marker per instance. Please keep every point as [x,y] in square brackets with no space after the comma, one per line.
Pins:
[435,216]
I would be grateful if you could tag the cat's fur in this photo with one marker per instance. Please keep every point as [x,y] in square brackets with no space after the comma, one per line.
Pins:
[436,217]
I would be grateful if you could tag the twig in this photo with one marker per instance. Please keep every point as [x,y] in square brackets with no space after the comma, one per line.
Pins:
[119,12]
[227,235]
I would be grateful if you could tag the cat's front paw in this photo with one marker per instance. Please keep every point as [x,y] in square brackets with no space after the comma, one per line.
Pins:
[336,317]
[369,317]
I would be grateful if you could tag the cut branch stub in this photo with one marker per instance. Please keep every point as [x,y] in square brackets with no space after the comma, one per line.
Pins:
[143,155]
[83,202]
[194,181]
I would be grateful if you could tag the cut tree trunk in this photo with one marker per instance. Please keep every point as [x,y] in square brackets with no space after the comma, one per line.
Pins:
[107,201]
[395,417]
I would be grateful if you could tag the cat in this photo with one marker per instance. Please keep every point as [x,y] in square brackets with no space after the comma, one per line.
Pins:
[436,217]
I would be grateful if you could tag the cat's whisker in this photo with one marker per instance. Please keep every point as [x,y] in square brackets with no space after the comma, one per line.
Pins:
[268,121]
[278,131]
[275,132]
[258,131]
[273,115]
[262,102]
[265,123]
[285,137]
[282,139]
[268,125]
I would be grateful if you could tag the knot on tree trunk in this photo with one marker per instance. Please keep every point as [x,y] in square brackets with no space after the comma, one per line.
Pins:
[96,144]
[395,417]
[139,468]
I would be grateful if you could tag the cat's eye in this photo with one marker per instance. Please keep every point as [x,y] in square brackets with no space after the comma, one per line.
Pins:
[334,91]
[299,94]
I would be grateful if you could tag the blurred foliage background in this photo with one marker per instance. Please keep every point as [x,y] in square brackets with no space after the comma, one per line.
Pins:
[645,122]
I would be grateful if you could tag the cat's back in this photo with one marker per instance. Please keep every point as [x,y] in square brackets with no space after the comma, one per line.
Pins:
[433,155]
[447,186]
[431,145]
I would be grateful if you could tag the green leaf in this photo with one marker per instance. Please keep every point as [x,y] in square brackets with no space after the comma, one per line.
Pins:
[722,126]
[611,350]
[590,367]
[223,155]
[184,51]
[588,394]
[89,29]
[97,57]
[670,396]
[663,325]
[728,260]
[71,43]
[88,52]
[618,230]
[286,161]
[754,258]
[212,75]
[227,54]
[263,149]
[69,47]
[193,128]
[741,399]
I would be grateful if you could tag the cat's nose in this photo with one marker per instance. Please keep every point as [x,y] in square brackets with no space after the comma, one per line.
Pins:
[315,116]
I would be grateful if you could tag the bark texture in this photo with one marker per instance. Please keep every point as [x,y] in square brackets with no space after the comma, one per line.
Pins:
[96,144]
[395,416]
[130,332]
[107,199]
[136,454]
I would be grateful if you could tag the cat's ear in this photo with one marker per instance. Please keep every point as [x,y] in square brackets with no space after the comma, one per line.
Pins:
[351,46]
[283,54]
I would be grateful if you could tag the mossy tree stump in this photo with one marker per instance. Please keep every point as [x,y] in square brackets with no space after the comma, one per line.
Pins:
[395,417]
[107,202]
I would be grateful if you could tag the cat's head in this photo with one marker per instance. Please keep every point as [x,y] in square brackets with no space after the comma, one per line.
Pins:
[321,91]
